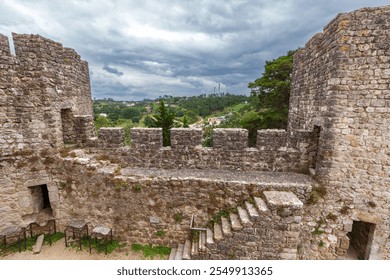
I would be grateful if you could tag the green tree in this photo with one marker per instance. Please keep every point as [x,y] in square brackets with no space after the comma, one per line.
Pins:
[252,121]
[273,91]
[148,121]
[185,122]
[129,113]
[165,119]
[101,121]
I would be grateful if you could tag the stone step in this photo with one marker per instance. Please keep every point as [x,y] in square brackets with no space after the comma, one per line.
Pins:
[282,199]
[209,236]
[217,232]
[253,214]
[202,241]
[38,245]
[187,250]
[236,225]
[226,229]
[244,218]
[195,248]
[261,205]
[179,253]
[173,253]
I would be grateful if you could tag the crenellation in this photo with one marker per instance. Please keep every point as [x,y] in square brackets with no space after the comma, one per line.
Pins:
[111,137]
[146,150]
[5,52]
[271,139]
[230,139]
[183,138]
[146,138]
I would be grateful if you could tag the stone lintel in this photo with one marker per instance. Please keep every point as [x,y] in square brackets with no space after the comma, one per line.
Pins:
[280,198]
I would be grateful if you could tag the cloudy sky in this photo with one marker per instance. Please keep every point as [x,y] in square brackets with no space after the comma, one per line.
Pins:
[146,49]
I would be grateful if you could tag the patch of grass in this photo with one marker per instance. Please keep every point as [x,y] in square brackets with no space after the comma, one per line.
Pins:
[178,217]
[160,233]
[136,247]
[321,244]
[151,251]
[30,242]
[251,200]
[217,217]
[195,236]
[119,184]
[54,237]
[316,194]
[317,231]
[137,188]
[99,245]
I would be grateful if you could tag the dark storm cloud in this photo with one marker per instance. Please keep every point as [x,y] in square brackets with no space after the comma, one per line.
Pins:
[112,70]
[146,49]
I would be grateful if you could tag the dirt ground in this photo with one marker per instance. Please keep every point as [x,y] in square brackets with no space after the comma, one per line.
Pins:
[58,251]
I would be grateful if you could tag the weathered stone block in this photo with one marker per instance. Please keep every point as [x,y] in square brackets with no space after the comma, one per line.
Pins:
[146,138]
[282,199]
[271,139]
[182,138]
[230,139]
[111,137]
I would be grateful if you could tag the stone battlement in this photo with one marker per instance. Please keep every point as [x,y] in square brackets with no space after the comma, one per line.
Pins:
[275,150]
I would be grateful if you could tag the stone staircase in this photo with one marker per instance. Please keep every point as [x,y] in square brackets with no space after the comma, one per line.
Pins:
[250,221]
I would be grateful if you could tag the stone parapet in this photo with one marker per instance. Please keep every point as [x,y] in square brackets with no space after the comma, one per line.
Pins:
[146,138]
[111,137]
[271,139]
[230,139]
[229,150]
[182,138]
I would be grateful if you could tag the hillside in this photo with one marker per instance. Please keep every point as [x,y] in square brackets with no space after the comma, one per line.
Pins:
[194,109]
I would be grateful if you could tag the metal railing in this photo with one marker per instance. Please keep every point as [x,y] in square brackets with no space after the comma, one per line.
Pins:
[192,224]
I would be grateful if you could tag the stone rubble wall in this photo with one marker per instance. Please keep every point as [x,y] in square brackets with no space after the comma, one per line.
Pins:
[273,235]
[137,206]
[275,150]
[341,82]
[42,79]
[111,137]
[338,127]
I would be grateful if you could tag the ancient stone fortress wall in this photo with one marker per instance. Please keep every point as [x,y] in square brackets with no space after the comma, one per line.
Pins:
[338,133]
[275,151]
[341,88]
[45,96]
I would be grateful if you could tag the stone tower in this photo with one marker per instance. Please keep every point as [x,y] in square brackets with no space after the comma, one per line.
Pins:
[341,91]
